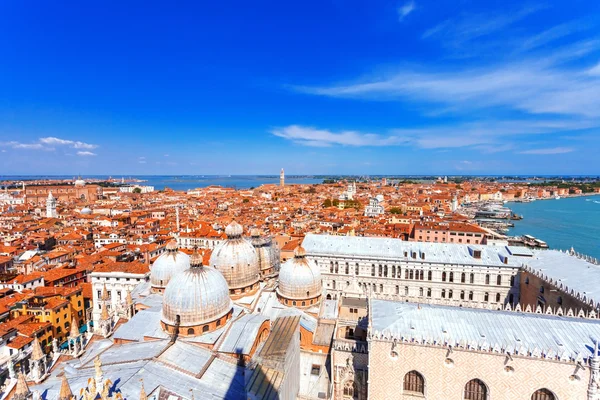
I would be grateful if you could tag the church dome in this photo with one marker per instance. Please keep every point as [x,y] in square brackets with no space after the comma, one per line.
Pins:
[237,260]
[167,265]
[79,182]
[300,281]
[268,253]
[197,300]
[86,211]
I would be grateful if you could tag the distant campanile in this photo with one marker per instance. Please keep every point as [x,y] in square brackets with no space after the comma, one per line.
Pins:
[282,178]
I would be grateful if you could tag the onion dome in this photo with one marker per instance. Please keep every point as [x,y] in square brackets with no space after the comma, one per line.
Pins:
[196,298]
[79,182]
[300,281]
[237,260]
[168,264]
[86,211]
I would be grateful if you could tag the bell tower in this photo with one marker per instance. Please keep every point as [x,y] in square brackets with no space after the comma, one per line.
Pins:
[282,178]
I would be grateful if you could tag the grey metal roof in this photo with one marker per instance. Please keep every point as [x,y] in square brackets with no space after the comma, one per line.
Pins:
[242,334]
[536,335]
[394,249]
[329,309]
[175,370]
[569,271]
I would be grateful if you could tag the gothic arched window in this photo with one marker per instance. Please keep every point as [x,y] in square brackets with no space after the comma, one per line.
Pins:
[349,389]
[543,394]
[475,390]
[414,382]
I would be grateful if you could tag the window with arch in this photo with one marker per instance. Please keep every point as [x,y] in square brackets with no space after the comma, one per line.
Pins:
[429,275]
[472,278]
[497,297]
[499,280]
[443,276]
[463,277]
[205,328]
[543,394]
[486,297]
[190,331]
[414,382]
[541,289]
[451,277]
[349,389]
[475,390]
[512,280]
[559,300]
[428,292]
[487,279]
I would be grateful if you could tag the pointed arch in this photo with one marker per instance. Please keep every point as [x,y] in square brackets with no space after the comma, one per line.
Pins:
[475,389]
[414,382]
[543,394]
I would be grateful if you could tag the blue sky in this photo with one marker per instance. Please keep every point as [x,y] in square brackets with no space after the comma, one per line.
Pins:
[348,87]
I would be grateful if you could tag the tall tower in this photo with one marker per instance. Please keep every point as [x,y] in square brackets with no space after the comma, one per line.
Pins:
[282,178]
[50,206]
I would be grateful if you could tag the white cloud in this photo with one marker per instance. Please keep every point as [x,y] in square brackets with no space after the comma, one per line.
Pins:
[406,9]
[65,142]
[595,70]
[48,144]
[483,136]
[309,136]
[468,27]
[86,153]
[532,86]
[550,150]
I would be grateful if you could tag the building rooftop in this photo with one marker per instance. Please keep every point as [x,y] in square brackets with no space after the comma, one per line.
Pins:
[396,249]
[525,334]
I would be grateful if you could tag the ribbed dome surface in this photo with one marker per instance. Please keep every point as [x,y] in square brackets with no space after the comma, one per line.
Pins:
[167,265]
[237,259]
[85,211]
[299,277]
[198,296]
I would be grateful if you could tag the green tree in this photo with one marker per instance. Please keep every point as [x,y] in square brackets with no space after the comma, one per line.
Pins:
[137,190]
[327,203]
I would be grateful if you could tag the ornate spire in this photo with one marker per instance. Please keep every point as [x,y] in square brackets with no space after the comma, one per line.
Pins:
[22,392]
[74,329]
[99,378]
[104,293]
[65,390]
[143,395]
[129,299]
[104,312]
[37,353]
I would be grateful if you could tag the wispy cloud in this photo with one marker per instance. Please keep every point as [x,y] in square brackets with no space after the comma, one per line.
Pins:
[468,27]
[54,141]
[49,144]
[86,153]
[485,137]
[309,136]
[406,9]
[550,150]
[534,86]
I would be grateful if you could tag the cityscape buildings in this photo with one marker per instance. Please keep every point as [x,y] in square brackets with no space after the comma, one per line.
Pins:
[285,293]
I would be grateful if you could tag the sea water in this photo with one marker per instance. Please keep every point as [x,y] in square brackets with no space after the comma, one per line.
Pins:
[562,223]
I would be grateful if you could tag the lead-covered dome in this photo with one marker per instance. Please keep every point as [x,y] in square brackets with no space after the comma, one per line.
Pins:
[86,211]
[268,258]
[300,281]
[196,300]
[237,260]
[167,265]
